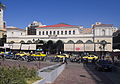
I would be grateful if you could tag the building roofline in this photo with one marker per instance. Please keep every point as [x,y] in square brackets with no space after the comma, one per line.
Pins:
[15,28]
[57,25]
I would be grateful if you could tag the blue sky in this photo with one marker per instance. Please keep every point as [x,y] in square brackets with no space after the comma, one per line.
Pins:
[20,13]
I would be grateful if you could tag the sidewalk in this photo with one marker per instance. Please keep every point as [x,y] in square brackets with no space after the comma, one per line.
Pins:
[72,75]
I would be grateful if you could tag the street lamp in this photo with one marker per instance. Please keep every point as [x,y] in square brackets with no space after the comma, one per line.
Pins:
[103,44]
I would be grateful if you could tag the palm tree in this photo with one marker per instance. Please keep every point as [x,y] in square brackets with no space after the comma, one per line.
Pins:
[103,43]
[2,6]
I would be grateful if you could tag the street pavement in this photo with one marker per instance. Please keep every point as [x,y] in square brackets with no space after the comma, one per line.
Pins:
[86,74]
[74,73]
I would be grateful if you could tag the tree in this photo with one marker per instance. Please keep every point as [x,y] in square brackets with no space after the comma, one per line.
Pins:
[2,6]
[103,43]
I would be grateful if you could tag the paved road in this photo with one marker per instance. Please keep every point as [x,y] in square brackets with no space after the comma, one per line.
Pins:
[86,74]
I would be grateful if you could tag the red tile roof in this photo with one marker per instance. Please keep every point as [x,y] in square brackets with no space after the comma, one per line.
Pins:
[58,25]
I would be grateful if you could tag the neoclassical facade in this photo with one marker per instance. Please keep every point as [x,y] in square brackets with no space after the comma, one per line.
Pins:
[2,26]
[75,38]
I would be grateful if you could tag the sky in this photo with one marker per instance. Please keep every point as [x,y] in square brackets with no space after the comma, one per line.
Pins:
[20,13]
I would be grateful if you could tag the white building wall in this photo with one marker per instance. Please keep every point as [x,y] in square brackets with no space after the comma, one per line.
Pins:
[99,31]
[17,37]
[1,19]
[15,33]
[57,29]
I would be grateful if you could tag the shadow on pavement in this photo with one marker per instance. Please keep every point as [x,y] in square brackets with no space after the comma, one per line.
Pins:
[97,76]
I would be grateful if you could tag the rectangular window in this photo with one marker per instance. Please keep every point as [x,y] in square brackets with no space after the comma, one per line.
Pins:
[54,32]
[61,32]
[43,33]
[57,32]
[69,32]
[46,32]
[39,32]
[65,32]
[50,32]
[73,31]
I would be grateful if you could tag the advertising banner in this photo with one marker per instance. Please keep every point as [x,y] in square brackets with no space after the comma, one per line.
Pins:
[8,46]
[68,47]
[16,46]
[25,47]
[32,47]
[89,47]
[79,47]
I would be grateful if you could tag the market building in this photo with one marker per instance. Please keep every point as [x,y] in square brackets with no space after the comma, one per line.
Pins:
[74,38]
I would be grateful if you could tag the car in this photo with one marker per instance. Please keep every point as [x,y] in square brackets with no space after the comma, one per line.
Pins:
[90,57]
[8,55]
[104,65]
[21,56]
[75,59]
[59,58]
[62,55]
[39,54]
[1,55]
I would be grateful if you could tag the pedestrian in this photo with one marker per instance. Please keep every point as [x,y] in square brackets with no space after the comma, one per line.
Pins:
[3,57]
[65,60]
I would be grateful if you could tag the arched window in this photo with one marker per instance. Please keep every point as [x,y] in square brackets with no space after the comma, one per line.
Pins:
[103,32]
[70,42]
[79,42]
[89,42]
[12,42]
[29,41]
[22,41]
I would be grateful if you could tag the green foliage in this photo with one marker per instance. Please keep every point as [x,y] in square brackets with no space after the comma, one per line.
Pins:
[17,75]
[2,5]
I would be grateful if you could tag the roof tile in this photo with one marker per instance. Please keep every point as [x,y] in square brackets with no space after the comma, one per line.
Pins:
[58,25]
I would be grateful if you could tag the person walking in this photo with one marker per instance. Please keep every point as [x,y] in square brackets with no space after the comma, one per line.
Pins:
[65,60]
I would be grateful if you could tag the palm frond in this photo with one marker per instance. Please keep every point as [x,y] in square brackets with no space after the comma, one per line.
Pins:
[2,5]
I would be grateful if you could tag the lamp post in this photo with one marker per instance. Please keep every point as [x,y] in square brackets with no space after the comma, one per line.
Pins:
[94,38]
[103,44]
